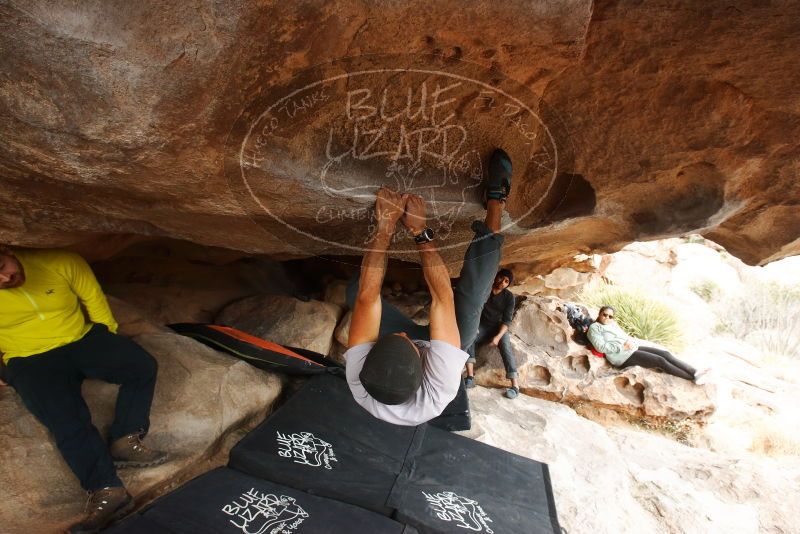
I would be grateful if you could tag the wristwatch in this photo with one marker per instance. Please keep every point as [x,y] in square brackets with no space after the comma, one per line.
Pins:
[424,236]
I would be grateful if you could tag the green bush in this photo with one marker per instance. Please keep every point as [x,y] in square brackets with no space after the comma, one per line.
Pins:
[637,314]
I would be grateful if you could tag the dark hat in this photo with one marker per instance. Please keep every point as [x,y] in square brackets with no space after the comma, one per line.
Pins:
[392,370]
[506,272]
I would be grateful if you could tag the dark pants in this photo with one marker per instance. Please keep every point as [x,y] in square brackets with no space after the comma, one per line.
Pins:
[486,332]
[653,358]
[477,274]
[50,386]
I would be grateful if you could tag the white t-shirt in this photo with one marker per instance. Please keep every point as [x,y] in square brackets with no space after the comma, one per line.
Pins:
[441,376]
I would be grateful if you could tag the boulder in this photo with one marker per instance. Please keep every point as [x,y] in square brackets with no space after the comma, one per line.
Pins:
[285,320]
[539,323]
[625,481]
[563,282]
[135,120]
[335,293]
[414,305]
[674,265]
[580,377]
[203,400]
[756,403]
[176,304]
[342,332]
[176,282]
[132,320]
[552,367]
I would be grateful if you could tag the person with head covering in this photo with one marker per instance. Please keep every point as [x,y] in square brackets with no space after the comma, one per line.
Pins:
[399,371]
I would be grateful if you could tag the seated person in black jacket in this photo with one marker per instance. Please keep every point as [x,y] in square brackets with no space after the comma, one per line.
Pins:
[498,311]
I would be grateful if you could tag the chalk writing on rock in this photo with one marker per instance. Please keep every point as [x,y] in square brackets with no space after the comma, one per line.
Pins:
[335,140]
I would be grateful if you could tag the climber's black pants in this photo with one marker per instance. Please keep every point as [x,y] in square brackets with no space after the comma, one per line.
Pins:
[653,358]
[50,387]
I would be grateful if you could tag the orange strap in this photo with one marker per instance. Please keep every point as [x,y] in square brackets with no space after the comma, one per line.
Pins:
[258,342]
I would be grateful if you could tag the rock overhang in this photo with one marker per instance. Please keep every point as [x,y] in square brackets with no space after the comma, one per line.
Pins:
[660,122]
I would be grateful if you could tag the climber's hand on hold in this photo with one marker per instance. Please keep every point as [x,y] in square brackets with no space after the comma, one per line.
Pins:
[389,207]
[414,217]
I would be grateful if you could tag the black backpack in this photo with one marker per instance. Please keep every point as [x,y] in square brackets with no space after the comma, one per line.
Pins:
[578,318]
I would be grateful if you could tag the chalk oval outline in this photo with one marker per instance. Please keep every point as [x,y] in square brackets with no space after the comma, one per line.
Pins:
[378,71]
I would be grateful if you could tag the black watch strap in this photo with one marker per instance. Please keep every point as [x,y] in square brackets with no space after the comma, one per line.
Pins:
[424,236]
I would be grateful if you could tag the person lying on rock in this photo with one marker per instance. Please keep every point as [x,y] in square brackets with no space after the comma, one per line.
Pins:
[498,311]
[406,373]
[622,351]
[49,348]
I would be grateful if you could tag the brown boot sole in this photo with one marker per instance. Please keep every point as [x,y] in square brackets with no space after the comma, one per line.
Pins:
[123,464]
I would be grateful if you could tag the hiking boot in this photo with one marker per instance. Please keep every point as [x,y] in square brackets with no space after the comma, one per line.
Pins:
[512,393]
[498,186]
[128,451]
[103,507]
[469,382]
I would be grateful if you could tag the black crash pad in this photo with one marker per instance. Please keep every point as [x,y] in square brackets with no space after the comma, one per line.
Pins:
[453,484]
[322,442]
[456,415]
[137,524]
[225,501]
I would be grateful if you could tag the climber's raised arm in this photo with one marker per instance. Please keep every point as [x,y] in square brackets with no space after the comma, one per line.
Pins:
[366,319]
[443,324]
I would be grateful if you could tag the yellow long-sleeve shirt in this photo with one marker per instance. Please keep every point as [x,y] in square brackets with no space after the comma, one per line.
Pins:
[45,312]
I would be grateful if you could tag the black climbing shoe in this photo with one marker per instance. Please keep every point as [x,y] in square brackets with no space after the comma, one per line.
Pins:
[498,186]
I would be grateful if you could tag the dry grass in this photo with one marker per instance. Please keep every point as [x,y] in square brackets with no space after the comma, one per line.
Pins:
[766,315]
[681,430]
[770,439]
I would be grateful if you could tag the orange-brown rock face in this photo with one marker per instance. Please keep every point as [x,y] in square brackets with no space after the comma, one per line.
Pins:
[268,127]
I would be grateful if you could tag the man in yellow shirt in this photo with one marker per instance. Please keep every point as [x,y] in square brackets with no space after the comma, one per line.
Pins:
[49,348]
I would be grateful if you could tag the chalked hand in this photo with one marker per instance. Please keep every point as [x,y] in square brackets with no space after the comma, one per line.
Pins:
[414,217]
[389,207]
